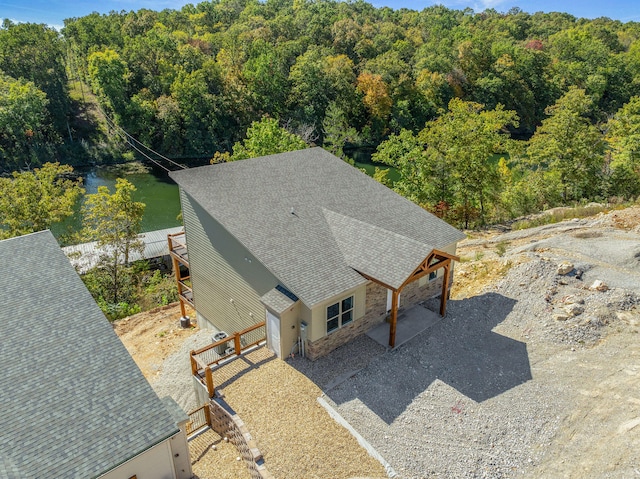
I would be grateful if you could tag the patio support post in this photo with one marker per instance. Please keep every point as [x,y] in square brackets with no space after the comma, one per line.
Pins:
[445,289]
[394,318]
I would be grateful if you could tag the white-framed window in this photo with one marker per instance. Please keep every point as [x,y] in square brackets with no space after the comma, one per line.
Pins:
[339,314]
[433,275]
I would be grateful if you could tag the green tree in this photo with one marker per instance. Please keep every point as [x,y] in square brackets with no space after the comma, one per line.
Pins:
[23,123]
[108,75]
[337,132]
[569,144]
[462,141]
[406,153]
[36,53]
[34,200]
[114,221]
[266,75]
[447,165]
[623,137]
[265,137]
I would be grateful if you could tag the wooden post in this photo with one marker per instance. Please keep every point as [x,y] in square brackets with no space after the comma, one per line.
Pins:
[194,364]
[176,272]
[394,318]
[236,344]
[209,377]
[445,289]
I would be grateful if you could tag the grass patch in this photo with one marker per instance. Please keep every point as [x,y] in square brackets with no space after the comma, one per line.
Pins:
[557,215]
[501,248]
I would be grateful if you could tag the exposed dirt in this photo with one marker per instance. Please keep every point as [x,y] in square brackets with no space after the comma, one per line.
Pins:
[152,336]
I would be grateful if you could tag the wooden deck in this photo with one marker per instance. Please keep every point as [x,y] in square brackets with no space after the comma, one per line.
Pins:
[85,256]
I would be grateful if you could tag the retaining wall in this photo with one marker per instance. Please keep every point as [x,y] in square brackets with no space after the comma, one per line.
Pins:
[226,423]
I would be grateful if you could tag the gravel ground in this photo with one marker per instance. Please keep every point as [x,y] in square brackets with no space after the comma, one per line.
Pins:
[175,378]
[295,434]
[213,458]
[500,385]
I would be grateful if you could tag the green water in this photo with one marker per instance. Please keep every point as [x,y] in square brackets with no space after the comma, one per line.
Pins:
[157,191]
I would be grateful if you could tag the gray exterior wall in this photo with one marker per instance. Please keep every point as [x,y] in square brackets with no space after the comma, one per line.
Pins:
[227,281]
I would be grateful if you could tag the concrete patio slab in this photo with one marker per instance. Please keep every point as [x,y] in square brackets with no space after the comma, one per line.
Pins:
[411,322]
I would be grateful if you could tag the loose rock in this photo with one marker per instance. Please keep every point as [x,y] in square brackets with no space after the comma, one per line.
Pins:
[565,268]
[574,310]
[599,286]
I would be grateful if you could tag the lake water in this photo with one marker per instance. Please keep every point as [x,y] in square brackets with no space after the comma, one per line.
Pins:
[155,189]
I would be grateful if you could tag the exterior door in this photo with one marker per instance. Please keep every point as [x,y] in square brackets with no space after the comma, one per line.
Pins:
[273,333]
[390,300]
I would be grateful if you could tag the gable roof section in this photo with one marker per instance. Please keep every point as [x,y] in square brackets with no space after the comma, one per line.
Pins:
[275,206]
[387,256]
[74,404]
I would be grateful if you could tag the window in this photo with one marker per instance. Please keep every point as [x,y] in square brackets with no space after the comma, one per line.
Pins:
[433,275]
[339,314]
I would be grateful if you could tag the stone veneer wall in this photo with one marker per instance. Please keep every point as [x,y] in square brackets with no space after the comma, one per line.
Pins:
[375,313]
[231,426]
[413,293]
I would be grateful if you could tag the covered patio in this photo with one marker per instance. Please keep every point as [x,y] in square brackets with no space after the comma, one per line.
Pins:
[411,322]
[415,323]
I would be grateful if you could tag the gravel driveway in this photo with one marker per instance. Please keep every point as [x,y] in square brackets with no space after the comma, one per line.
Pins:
[456,400]
[500,388]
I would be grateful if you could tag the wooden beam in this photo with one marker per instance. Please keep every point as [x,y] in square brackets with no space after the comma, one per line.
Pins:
[445,290]
[394,318]
[371,278]
[194,363]
[236,344]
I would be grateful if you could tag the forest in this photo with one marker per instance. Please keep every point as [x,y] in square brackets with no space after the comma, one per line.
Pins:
[485,116]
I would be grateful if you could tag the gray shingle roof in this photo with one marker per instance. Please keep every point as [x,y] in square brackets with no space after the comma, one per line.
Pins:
[275,206]
[276,301]
[74,404]
[374,251]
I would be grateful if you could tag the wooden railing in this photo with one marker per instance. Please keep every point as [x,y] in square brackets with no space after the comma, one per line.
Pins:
[198,418]
[178,248]
[180,256]
[203,359]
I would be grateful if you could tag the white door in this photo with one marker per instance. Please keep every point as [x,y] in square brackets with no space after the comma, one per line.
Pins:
[390,299]
[273,333]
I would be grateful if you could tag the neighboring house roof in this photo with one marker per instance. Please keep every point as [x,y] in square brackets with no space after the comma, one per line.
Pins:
[74,404]
[85,256]
[313,219]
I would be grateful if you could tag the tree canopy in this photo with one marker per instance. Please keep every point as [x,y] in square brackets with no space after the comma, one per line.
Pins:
[32,201]
[442,86]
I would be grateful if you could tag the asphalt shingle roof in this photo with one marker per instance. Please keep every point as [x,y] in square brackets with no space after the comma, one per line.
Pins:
[288,209]
[73,402]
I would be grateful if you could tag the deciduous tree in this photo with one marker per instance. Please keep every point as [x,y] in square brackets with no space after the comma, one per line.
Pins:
[114,220]
[569,144]
[34,200]
[265,137]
